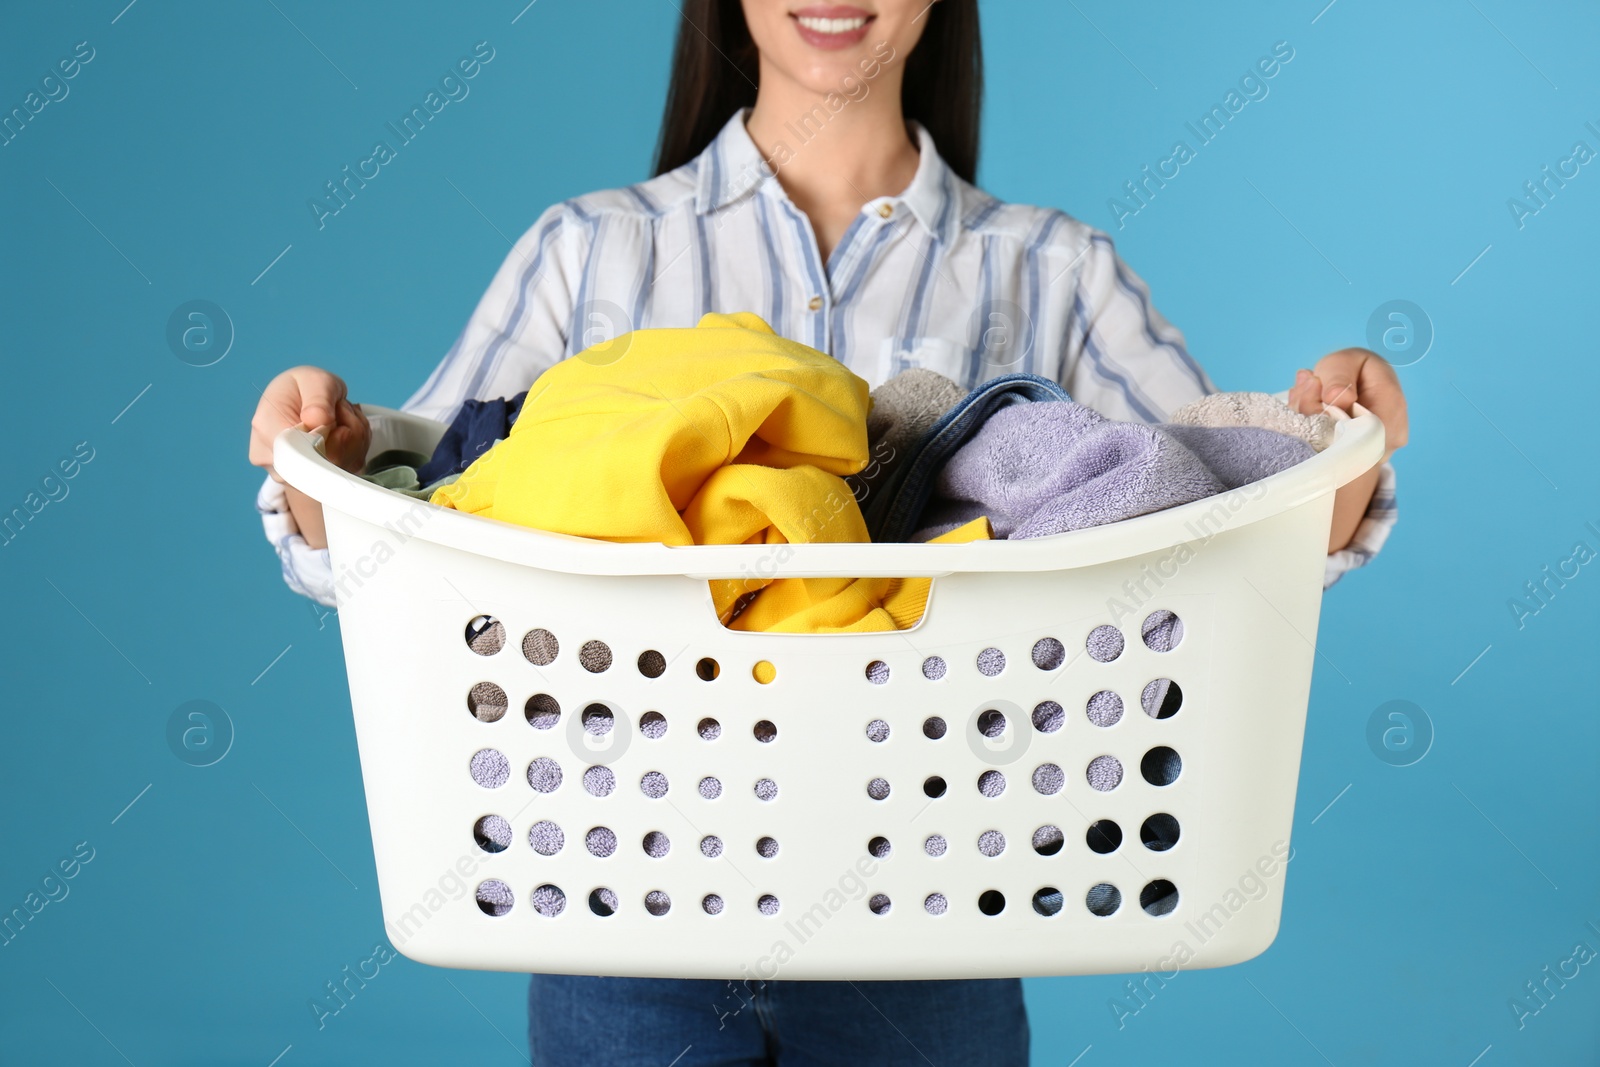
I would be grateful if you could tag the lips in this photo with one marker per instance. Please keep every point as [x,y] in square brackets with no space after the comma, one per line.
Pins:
[832,26]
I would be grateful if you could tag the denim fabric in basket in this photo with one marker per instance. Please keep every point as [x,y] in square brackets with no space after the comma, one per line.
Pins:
[893,515]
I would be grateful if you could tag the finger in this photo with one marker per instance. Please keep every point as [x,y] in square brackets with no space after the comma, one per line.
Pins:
[1339,390]
[350,417]
[319,400]
[1297,388]
[318,413]
[1310,395]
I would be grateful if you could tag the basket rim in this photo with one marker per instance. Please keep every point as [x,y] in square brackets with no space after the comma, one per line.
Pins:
[1358,445]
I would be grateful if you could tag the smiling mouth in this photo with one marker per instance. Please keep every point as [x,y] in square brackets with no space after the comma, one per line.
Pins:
[831,26]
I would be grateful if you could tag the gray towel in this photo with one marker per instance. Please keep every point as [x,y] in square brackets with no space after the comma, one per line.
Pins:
[1047,468]
[1256,409]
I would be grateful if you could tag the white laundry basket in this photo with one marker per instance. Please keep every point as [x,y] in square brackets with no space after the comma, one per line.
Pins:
[686,882]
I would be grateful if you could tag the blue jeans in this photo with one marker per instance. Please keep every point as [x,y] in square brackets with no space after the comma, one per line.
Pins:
[893,514]
[583,1021]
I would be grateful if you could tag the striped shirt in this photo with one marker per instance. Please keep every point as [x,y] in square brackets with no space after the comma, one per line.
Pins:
[942,276]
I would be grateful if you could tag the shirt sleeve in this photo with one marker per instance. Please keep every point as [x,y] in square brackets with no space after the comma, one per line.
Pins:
[1121,356]
[518,329]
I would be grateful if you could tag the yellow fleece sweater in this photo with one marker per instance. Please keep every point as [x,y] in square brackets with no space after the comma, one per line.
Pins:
[722,434]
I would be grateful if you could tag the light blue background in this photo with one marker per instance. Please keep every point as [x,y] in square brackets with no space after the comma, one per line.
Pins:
[1420,902]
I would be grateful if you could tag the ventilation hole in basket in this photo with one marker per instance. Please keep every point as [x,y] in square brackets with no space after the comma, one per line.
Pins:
[1162,631]
[1103,899]
[485,635]
[1104,644]
[542,711]
[877,672]
[601,841]
[933,668]
[765,731]
[991,843]
[490,768]
[1048,717]
[1104,773]
[707,669]
[652,664]
[653,784]
[598,781]
[1047,840]
[991,661]
[544,774]
[1047,901]
[1048,779]
[1161,766]
[595,657]
[1104,708]
[548,900]
[492,833]
[767,847]
[934,727]
[763,672]
[487,702]
[709,729]
[1103,837]
[711,904]
[878,730]
[879,848]
[991,783]
[711,846]
[603,902]
[766,789]
[991,723]
[495,897]
[991,902]
[878,788]
[656,844]
[1161,699]
[1159,897]
[1159,832]
[879,903]
[1048,653]
[546,837]
[710,788]
[656,902]
[598,720]
[653,725]
[935,845]
[936,904]
[933,786]
[540,647]
[767,904]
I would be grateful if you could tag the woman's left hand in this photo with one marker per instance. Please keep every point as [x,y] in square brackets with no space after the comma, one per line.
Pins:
[1349,376]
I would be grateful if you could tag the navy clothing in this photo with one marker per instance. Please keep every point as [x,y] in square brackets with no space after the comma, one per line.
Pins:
[474,430]
[581,1021]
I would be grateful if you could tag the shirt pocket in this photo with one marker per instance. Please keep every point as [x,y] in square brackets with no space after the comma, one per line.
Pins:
[953,359]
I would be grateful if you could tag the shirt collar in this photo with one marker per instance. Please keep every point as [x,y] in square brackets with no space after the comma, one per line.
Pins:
[732,166]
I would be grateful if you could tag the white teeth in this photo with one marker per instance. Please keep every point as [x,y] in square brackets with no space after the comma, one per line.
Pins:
[832,25]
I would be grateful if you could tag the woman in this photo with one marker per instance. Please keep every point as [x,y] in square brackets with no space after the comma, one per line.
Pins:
[816,167]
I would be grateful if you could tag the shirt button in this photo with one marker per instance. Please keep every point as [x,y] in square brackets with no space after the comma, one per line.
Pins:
[816,303]
[886,210]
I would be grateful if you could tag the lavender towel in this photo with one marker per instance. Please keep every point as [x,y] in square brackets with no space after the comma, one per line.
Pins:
[1047,468]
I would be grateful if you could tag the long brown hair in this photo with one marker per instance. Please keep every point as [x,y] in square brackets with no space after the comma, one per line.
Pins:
[714,73]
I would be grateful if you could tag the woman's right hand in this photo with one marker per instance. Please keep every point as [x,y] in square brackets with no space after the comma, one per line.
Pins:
[313,398]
